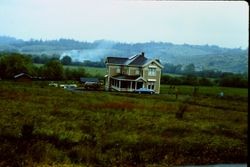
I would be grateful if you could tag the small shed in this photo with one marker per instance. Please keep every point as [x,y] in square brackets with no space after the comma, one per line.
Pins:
[23,77]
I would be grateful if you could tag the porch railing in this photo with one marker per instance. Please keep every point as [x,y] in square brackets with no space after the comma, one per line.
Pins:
[122,89]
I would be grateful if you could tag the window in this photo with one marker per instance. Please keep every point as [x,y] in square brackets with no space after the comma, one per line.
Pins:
[118,70]
[151,85]
[136,72]
[152,71]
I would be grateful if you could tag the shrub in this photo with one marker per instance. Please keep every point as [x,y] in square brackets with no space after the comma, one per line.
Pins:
[233,81]
[45,152]
[205,82]
[27,130]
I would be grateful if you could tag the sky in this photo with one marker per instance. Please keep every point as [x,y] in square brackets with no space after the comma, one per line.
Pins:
[222,23]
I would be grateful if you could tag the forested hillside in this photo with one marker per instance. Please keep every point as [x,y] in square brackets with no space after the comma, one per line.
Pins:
[202,56]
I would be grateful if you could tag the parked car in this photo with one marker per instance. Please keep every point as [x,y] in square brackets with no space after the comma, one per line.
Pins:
[68,86]
[71,86]
[62,86]
[92,86]
[53,84]
[144,91]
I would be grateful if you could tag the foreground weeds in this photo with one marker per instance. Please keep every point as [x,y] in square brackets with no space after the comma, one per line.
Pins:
[42,126]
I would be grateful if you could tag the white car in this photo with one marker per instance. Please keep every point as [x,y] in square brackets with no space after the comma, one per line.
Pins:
[53,84]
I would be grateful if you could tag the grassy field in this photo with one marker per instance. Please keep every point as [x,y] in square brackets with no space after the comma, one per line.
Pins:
[95,71]
[41,125]
[92,71]
[212,91]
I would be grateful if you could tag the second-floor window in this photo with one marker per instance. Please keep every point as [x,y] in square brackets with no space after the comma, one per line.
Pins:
[118,70]
[152,71]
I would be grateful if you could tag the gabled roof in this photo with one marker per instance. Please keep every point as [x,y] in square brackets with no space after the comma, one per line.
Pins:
[22,74]
[116,60]
[139,60]
[156,61]
[136,60]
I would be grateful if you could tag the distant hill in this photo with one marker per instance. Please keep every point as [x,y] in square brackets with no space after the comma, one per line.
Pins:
[202,56]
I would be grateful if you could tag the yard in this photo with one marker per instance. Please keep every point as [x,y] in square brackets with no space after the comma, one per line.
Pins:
[43,125]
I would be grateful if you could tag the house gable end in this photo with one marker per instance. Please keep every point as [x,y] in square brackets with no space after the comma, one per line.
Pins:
[153,63]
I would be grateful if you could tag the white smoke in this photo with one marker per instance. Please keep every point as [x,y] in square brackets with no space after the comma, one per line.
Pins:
[103,48]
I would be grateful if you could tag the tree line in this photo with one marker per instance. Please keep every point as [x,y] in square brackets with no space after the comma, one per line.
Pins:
[226,80]
[66,60]
[190,69]
[12,64]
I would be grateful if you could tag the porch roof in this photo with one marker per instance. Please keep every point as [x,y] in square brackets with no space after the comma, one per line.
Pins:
[128,77]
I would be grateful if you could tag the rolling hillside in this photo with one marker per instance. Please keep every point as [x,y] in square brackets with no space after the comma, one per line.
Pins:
[202,56]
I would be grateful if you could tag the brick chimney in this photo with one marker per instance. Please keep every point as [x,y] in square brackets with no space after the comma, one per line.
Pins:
[142,53]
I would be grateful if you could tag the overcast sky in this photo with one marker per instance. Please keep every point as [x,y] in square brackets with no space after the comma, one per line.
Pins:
[223,23]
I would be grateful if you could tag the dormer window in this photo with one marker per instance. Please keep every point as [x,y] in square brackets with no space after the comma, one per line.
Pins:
[152,71]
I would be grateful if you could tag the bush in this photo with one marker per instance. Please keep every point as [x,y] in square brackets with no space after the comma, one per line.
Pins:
[182,109]
[233,81]
[27,130]
[74,74]
[190,80]
[167,79]
[205,82]
[45,152]
[15,63]
[53,70]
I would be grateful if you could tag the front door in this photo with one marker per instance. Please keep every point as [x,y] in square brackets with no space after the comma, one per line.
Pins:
[139,85]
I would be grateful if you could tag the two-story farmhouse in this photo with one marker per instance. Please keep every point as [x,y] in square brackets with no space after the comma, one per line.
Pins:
[129,74]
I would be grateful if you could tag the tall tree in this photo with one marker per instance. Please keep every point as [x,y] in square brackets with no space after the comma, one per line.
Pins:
[15,63]
[66,60]
[53,70]
[189,69]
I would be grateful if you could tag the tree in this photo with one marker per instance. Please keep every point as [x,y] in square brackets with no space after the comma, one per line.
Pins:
[14,63]
[189,69]
[171,68]
[233,80]
[178,69]
[53,70]
[74,74]
[190,80]
[205,82]
[66,60]
[167,79]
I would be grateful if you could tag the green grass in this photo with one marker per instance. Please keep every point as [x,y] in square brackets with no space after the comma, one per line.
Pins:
[96,71]
[92,71]
[120,129]
[207,90]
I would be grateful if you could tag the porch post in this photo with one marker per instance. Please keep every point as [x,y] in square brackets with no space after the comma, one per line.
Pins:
[119,84]
[135,85]
[131,85]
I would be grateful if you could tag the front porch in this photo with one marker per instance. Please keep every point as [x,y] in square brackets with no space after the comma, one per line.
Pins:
[126,84]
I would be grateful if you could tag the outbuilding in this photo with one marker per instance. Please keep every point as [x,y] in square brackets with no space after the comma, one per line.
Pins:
[92,80]
[23,77]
